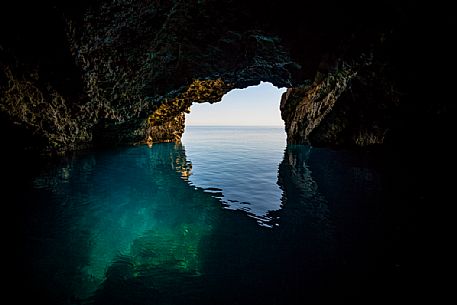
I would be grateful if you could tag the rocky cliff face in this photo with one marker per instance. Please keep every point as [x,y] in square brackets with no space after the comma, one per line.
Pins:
[113,72]
[349,105]
[136,63]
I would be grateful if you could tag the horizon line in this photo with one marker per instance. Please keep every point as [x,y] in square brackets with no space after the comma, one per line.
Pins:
[232,125]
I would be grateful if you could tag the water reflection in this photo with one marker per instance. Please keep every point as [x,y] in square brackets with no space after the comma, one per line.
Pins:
[132,211]
[239,164]
[127,227]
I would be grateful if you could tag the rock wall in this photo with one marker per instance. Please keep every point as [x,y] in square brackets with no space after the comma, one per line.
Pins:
[87,73]
[351,104]
[379,85]
[130,57]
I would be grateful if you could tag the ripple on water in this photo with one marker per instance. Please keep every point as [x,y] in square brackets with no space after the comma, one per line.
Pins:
[168,226]
[241,161]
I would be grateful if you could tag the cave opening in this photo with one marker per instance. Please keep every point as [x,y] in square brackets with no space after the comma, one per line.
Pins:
[251,106]
[235,147]
[356,203]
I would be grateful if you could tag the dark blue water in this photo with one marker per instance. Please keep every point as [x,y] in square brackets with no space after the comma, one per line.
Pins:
[238,165]
[231,216]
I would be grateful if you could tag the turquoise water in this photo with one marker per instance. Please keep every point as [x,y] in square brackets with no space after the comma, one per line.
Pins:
[230,216]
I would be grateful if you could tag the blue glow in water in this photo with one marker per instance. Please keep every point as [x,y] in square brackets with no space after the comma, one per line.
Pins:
[231,216]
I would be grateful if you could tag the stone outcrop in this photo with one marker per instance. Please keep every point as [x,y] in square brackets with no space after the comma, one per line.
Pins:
[349,105]
[88,73]
[130,58]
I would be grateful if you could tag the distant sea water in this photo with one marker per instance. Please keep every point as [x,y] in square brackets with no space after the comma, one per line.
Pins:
[232,215]
[239,164]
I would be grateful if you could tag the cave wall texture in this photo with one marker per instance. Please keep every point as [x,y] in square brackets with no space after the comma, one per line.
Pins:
[101,73]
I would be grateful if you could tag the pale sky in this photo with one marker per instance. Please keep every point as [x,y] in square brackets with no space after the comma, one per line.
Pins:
[256,105]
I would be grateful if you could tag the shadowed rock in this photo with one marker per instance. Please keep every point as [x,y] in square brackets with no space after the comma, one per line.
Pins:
[88,73]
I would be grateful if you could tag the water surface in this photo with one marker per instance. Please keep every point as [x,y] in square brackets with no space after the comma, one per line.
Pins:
[239,163]
[231,216]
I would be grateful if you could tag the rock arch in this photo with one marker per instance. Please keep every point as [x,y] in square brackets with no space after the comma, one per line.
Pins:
[112,72]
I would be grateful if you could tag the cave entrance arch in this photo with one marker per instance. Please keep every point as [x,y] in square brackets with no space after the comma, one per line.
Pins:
[235,146]
[252,106]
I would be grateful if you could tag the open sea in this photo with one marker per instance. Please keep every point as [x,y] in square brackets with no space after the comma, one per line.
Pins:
[232,215]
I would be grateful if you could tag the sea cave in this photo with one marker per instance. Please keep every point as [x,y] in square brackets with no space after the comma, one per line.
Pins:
[111,198]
